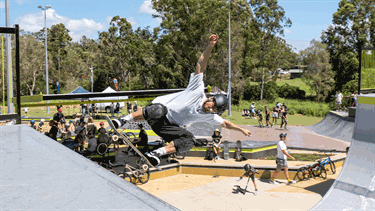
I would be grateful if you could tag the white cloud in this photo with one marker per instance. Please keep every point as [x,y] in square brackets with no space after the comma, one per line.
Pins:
[288,31]
[132,21]
[146,7]
[2,4]
[34,22]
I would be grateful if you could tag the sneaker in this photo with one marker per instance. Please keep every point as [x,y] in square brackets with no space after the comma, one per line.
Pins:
[291,182]
[274,182]
[217,157]
[256,192]
[153,158]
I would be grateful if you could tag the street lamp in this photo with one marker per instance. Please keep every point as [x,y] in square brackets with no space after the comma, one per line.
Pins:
[45,24]
[229,66]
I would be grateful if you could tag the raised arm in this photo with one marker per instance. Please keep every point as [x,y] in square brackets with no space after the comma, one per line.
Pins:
[229,125]
[202,62]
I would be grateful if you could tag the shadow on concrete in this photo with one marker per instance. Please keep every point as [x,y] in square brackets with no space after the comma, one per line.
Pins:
[321,188]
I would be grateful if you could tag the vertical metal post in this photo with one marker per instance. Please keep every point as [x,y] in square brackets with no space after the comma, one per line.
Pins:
[18,83]
[229,70]
[45,32]
[226,150]
[9,61]
[360,69]
[92,79]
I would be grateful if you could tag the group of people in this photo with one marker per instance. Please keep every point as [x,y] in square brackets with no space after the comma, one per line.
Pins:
[115,108]
[278,111]
[339,97]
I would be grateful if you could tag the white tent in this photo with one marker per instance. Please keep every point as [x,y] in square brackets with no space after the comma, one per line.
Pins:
[109,90]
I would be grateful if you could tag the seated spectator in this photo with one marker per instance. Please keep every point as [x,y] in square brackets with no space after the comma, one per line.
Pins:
[101,128]
[91,128]
[53,131]
[92,143]
[103,137]
[142,141]
[32,124]
[81,135]
[40,126]
[26,109]
[216,138]
[244,112]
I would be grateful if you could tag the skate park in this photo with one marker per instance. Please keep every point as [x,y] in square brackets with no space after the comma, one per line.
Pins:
[40,177]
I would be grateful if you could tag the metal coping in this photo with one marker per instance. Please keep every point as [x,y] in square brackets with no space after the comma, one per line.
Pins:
[112,94]
[366,100]
[9,116]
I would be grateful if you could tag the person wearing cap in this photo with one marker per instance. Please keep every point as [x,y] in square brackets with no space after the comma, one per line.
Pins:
[281,159]
[32,124]
[168,113]
[40,126]
[249,172]
[59,117]
[216,139]
[101,124]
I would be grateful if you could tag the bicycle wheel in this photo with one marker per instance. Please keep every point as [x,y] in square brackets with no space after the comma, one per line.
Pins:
[300,174]
[323,174]
[306,173]
[101,149]
[144,174]
[332,167]
[317,170]
[125,176]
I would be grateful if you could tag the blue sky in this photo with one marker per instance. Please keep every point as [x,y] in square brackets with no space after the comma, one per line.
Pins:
[87,17]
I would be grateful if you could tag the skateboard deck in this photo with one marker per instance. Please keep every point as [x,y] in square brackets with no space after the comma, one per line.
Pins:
[126,140]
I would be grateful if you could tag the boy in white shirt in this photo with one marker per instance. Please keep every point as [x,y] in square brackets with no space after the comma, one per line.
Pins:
[281,159]
[338,97]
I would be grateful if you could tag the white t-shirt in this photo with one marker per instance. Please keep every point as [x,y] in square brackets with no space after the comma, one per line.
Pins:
[26,109]
[338,97]
[185,107]
[93,144]
[281,146]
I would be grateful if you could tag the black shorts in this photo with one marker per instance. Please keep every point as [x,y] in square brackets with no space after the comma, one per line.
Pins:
[268,117]
[167,130]
[247,174]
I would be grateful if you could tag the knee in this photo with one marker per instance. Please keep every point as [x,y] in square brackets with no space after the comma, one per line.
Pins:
[154,111]
[183,144]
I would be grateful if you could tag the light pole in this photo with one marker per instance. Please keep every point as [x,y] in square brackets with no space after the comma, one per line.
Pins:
[45,36]
[229,67]
[92,79]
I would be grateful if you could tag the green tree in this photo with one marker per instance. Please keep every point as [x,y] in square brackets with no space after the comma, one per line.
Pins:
[353,26]
[269,17]
[318,73]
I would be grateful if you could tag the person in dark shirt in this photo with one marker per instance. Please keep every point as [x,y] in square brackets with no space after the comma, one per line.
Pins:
[59,118]
[101,128]
[260,118]
[142,141]
[53,131]
[91,128]
[284,118]
[117,109]
[249,172]
[216,138]
[268,114]
[135,107]
[129,107]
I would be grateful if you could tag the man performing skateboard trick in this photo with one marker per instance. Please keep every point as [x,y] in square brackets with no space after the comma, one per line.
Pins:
[167,113]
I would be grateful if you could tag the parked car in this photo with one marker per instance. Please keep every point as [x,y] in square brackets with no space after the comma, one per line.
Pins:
[107,106]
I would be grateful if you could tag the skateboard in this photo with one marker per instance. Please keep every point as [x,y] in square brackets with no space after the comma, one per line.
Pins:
[126,140]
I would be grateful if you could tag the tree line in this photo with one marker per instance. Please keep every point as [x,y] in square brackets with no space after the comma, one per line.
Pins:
[163,57]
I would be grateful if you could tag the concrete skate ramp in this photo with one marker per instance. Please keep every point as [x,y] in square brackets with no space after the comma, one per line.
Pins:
[335,125]
[354,188]
[38,173]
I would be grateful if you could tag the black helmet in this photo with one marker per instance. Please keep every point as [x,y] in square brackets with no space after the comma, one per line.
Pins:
[282,135]
[221,103]
[247,167]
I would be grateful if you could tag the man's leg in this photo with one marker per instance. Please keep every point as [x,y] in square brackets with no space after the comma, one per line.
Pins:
[274,175]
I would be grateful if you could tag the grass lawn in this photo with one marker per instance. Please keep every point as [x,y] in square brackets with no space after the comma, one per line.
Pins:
[293,120]
[301,157]
[294,82]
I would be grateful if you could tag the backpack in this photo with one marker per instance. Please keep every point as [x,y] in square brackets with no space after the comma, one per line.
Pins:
[210,154]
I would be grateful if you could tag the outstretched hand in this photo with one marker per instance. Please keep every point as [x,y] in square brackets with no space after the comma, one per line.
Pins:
[246,132]
[213,39]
